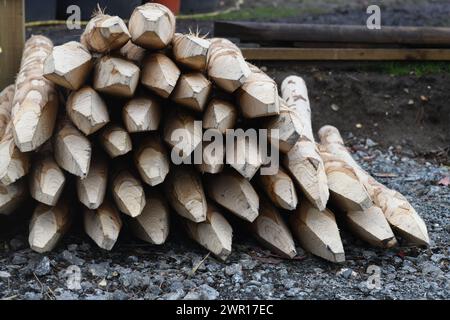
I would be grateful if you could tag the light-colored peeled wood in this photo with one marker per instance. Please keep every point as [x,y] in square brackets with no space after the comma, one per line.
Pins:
[346,191]
[226,65]
[272,232]
[35,104]
[213,158]
[192,91]
[103,225]
[48,225]
[246,158]
[159,74]
[87,110]
[190,50]
[72,150]
[115,140]
[47,180]
[152,225]
[151,160]
[132,52]
[141,114]
[258,95]
[116,76]
[220,115]
[12,196]
[152,26]
[371,226]
[181,122]
[68,65]
[184,191]
[235,193]
[280,189]
[214,234]
[317,232]
[91,189]
[289,126]
[6,100]
[128,192]
[105,33]
[402,217]
[303,160]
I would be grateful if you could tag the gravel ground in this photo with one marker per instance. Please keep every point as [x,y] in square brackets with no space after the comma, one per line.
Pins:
[181,270]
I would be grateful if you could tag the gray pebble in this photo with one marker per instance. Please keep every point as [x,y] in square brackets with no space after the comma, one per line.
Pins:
[43,267]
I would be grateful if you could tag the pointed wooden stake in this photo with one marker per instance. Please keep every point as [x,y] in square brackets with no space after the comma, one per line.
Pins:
[226,65]
[184,190]
[151,160]
[47,180]
[91,190]
[116,76]
[190,50]
[214,234]
[246,158]
[220,115]
[35,102]
[192,91]
[212,161]
[272,232]
[87,110]
[371,226]
[303,160]
[105,33]
[141,114]
[346,191]
[132,52]
[128,192]
[115,140]
[103,225]
[317,232]
[280,189]
[48,225]
[159,74]
[152,26]
[289,126]
[152,225]
[235,193]
[6,101]
[72,150]
[68,65]
[258,95]
[182,133]
[12,196]
[402,217]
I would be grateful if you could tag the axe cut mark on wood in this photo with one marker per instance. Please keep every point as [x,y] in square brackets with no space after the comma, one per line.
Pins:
[270,229]
[280,189]
[159,74]
[103,225]
[116,76]
[190,50]
[152,26]
[184,190]
[35,103]
[87,110]
[91,189]
[192,91]
[128,193]
[132,52]
[68,65]
[303,160]
[47,226]
[220,115]
[317,232]
[72,149]
[115,140]
[6,100]
[152,225]
[235,193]
[13,163]
[214,234]
[246,158]
[213,158]
[152,161]
[141,114]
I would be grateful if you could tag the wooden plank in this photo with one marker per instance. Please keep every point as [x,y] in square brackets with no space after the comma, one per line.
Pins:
[295,32]
[12,39]
[368,54]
